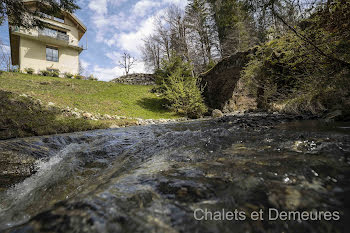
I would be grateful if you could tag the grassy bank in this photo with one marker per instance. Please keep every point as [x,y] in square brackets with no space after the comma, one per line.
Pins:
[21,116]
[89,96]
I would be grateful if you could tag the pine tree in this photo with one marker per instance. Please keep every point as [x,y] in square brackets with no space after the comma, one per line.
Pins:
[22,16]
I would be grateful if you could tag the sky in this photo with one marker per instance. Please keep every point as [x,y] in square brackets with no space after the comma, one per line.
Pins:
[113,27]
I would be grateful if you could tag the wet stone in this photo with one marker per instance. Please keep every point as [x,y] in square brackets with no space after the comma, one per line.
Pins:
[152,178]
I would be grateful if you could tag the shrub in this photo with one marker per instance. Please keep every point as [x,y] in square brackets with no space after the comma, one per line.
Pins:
[168,67]
[78,76]
[184,95]
[50,73]
[288,72]
[54,73]
[44,72]
[91,77]
[68,75]
[14,70]
[29,70]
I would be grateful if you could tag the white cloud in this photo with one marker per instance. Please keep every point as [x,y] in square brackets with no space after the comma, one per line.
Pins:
[132,41]
[5,48]
[123,30]
[141,8]
[84,64]
[98,6]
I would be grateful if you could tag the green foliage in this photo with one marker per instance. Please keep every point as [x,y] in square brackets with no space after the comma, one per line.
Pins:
[54,73]
[235,25]
[78,76]
[92,78]
[14,70]
[68,75]
[290,72]
[29,70]
[184,95]
[50,73]
[176,82]
[22,16]
[44,73]
[168,67]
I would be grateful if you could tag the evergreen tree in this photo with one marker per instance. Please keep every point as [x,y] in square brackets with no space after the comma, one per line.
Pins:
[22,16]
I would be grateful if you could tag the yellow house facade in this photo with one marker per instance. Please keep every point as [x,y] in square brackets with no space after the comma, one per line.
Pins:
[54,47]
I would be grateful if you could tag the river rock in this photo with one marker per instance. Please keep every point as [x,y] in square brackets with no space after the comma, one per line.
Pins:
[87,115]
[216,113]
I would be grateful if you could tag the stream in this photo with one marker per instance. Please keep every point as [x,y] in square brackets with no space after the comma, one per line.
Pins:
[154,178]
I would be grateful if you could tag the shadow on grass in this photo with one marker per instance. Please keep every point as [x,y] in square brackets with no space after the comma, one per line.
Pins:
[155,105]
[23,117]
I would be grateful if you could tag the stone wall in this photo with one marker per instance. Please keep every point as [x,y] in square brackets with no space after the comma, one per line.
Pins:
[222,87]
[136,79]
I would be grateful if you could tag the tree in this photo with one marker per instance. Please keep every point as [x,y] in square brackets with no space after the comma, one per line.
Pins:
[202,29]
[169,38]
[22,16]
[151,53]
[127,62]
[175,18]
[235,25]
[179,87]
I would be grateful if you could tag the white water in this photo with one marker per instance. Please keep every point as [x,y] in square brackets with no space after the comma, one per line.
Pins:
[24,194]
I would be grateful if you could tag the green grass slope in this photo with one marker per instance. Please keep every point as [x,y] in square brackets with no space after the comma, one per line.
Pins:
[25,110]
[89,96]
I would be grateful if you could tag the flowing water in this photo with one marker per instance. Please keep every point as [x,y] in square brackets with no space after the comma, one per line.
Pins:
[153,178]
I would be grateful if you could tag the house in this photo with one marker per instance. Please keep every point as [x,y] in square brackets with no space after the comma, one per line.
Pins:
[54,47]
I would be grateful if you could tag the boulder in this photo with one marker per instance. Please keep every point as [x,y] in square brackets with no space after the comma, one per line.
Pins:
[87,115]
[217,113]
[223,89]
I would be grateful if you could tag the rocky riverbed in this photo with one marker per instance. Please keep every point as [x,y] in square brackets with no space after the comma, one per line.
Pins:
[156,178]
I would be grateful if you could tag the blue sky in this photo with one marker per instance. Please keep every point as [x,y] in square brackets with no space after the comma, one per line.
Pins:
[114,27]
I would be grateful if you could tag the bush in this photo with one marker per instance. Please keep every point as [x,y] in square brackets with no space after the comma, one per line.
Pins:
[78,76]
[54,73]
[50,73]
[44,72]
[288,72]
[92,78]
[29,70]
[68,75]
[14,70]
[168,67]
[184,95]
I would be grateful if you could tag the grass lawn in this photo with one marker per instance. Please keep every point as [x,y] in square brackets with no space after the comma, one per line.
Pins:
[89,96]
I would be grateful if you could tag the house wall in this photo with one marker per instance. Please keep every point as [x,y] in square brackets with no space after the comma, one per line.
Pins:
[33,55]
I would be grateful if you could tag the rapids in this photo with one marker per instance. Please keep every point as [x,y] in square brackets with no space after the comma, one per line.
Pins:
[153,178]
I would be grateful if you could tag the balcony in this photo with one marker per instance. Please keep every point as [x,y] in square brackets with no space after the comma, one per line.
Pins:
[49,36]
[54,34]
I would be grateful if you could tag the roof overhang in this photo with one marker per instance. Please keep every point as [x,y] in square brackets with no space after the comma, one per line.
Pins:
[70,15]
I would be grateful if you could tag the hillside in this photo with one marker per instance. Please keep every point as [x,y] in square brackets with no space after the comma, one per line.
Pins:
[38,105]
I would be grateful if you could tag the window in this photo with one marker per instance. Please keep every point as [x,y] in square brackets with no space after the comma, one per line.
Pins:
[52,54]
